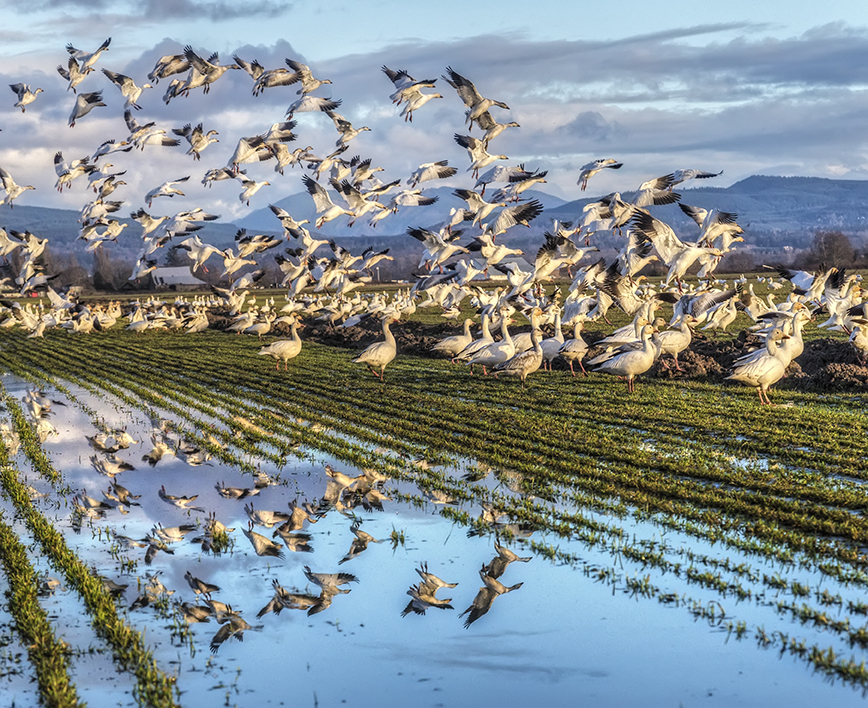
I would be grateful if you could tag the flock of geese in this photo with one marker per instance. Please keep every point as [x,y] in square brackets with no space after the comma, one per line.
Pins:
[321,286]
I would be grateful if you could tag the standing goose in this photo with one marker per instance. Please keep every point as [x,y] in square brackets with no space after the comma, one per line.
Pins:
[765,370]
[284,349]
[525,363]
[455,344]
[634,362]
[497,352]
[380,354]
[574,350]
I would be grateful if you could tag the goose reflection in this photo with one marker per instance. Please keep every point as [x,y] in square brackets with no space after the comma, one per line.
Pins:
[360,544]
[491,589]
[424,594]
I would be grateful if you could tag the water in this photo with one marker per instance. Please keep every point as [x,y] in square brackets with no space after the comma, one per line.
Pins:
[564,636]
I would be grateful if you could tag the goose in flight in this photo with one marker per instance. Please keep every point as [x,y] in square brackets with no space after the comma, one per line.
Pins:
[479,156]
[715,225]
[655,192]
[594,167]
[73,73]
[429,171]
[406,87]
[520,183]
[521,214]
[84,104]
[251,187]
[13,190]
[128,88]
[69,171]
[308,104]
[679,176]
[345,128]
[491,127]
[147,134]
[25,95]
[197,137]
[169,65]
[476,104]
[167,189]
[303,74]
[208,70]
[325,207]
[87,60]
[416,103]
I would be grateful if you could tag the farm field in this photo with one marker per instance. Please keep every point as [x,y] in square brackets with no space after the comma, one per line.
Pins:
[680,545]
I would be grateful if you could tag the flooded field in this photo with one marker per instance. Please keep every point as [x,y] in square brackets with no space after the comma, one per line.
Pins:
[581,620]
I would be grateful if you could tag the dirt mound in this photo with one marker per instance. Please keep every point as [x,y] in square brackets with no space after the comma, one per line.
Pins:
[826,364]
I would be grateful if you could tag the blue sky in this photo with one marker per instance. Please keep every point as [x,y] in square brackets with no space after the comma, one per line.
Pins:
[744,87]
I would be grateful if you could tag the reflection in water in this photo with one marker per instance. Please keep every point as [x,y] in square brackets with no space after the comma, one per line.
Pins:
[423,594]
[491,589]
[185,547]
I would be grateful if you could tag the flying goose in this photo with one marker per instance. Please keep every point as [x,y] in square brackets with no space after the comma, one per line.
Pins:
[25,95]
[128,88]
[13,190]
[84,104]
[592,168]
[476,104]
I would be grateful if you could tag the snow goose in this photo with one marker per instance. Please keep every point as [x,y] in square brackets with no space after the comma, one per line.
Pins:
[525,363]
[453,345]
[73,73]
[167,189]
[429,171]
[551,346]
[675,341]
[303,74]
[380,354]
[409,91]
[197,137]
[13,190]
[859,339]
[476,104]
[309,104]
[325,207]
[574,350]
[25,95]
[284,349]
[632,363]
[251,187]
[764,370]
[88,59]
[84,104]
[479,156]
[209,71]
[679,176]
[128,88]
[594,167]
[496,352]
[491,127]
[416,103]
[169,65]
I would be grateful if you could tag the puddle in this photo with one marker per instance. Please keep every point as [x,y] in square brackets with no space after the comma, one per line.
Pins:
[564,630]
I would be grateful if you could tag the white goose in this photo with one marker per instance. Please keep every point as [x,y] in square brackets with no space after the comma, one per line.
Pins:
[632,363]
[285,349]
[380,354]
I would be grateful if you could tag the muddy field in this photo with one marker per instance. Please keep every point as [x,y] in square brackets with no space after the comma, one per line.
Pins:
[826,364]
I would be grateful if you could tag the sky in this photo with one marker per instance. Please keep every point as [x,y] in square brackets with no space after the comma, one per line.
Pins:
[747,88]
